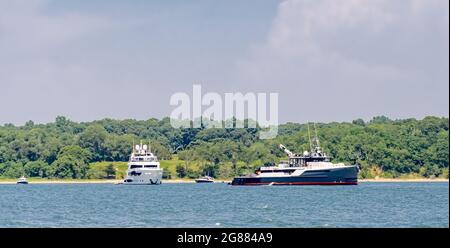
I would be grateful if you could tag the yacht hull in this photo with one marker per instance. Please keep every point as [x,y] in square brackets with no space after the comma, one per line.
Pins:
[334,176]
[153,177]
[203,181]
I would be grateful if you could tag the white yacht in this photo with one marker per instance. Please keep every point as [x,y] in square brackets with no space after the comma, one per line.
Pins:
[143,167]
[22,180]
[205,179]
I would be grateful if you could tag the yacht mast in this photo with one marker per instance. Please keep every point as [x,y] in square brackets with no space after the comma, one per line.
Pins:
[309,136]
[316,138]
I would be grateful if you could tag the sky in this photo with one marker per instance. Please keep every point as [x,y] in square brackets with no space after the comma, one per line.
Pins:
[329,60]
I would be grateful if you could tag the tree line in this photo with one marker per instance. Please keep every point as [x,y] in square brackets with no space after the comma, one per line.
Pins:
[67,149]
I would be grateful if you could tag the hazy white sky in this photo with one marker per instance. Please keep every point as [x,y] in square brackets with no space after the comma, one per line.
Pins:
[329,60]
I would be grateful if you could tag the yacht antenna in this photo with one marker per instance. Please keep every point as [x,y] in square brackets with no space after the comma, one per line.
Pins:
[309,136]
[316,138]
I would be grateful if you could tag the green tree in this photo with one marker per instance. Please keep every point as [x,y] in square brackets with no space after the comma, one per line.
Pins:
[380,120]
[72,162]
[181,171]
[14,170]
[93,139]
[36,169]
[359,122]
[110,171]
[167,174]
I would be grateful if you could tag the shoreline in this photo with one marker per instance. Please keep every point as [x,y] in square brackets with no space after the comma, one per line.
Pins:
[185,181]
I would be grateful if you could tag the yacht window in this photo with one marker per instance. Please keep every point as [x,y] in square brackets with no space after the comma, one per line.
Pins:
[134,173]
[150,166]
[135,166]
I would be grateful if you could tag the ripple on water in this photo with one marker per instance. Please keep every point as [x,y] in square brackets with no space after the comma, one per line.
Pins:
[221,205]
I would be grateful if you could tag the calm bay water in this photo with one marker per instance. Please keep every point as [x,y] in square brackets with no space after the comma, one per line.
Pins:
[221,205]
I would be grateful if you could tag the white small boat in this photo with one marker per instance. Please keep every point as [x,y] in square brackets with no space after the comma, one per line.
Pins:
[205,179]
[22,180]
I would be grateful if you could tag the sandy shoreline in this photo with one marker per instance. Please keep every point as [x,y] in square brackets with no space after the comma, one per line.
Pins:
[106,181]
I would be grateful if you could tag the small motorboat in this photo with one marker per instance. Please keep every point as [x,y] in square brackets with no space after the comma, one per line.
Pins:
[22,180]
[205,179]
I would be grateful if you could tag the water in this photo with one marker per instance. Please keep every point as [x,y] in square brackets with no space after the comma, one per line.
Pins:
[221,205]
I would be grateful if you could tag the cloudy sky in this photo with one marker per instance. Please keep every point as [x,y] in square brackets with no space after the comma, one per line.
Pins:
[329,60]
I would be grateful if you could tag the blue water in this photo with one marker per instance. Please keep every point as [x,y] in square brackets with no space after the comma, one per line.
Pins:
[221,205]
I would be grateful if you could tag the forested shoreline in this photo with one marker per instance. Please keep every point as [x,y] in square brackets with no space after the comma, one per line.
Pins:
[99,149]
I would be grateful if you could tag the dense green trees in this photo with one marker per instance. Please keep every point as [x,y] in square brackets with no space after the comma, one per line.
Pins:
[181,171]
[72,162]
[66,149]
[93,138]
[37,169]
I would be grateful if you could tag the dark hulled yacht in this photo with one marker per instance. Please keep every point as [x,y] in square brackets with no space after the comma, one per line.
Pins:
[310,168]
